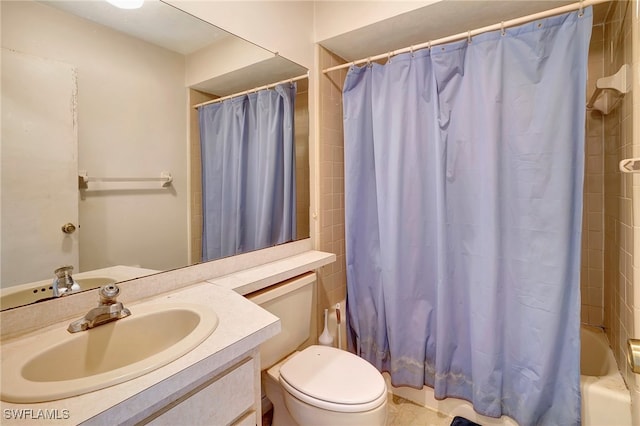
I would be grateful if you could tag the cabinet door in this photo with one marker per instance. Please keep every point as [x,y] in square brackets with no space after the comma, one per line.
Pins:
[248,419]
[39,167]
[220,401]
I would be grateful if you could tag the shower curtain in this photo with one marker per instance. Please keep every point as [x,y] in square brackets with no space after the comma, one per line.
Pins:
[248,172]
[463,200]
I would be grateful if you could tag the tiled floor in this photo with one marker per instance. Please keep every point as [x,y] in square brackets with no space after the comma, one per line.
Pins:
[405,413]
[401,413]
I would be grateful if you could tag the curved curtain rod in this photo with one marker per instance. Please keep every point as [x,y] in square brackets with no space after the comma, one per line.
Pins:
[267,86]
[468,34]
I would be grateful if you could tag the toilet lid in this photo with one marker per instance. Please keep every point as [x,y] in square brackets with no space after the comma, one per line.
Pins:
[333,379]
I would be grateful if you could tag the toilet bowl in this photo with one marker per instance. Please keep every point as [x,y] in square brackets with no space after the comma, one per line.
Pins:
[323,385]
[319,385]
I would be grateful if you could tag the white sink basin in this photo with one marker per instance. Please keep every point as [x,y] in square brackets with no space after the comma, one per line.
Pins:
[43,291]
[59,365]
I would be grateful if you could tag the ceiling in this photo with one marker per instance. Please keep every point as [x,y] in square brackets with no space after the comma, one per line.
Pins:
[155,22]
[437,20]
[188,34]
[166,26]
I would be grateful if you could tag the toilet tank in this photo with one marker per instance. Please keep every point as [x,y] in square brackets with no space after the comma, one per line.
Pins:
[291,301]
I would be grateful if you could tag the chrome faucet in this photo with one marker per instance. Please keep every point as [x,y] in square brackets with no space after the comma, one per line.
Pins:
[108,310]
[64,283]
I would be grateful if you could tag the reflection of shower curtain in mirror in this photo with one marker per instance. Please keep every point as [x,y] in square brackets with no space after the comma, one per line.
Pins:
[248,172]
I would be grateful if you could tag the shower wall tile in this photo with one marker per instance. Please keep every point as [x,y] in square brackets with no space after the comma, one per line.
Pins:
[631,130]
[332,279]
[619,194]
[301,137]
[595,185]
[195,178]
[595,221]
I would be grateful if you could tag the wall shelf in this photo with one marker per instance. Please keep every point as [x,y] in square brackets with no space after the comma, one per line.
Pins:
[610,90]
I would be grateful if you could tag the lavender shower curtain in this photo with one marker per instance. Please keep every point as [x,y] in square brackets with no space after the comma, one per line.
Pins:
[248,172]
[463,198]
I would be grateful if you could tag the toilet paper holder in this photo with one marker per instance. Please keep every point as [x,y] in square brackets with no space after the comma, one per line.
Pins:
[633,354]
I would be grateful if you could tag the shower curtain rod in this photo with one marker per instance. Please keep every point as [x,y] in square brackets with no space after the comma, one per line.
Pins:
[469,34]
[267,86]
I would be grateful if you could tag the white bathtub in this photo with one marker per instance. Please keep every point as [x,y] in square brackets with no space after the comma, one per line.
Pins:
[605,398]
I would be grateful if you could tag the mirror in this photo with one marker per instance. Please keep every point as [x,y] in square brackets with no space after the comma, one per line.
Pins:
[133,77]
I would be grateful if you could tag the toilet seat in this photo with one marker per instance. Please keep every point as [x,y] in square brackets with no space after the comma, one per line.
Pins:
[333,379]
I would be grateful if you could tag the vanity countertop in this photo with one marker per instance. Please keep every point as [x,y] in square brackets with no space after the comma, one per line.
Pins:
[242,327]
[262,276]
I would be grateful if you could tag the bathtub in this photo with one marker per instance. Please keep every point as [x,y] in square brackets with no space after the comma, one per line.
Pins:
[605,398]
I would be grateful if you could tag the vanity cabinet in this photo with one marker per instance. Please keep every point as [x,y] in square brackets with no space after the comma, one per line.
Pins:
[226,399]
[228,394]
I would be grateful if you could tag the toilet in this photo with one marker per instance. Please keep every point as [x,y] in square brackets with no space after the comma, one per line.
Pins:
[319,385]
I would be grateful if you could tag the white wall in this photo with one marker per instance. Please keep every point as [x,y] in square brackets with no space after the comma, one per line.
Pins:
[333,18]
[236,53]
[285,27]
[291,28]
[131,122]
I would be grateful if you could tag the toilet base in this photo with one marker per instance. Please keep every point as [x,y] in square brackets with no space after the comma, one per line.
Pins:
[274,391]
[304,414]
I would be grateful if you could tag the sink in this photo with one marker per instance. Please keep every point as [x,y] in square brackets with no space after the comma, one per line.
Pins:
[44,291]
[58,364]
